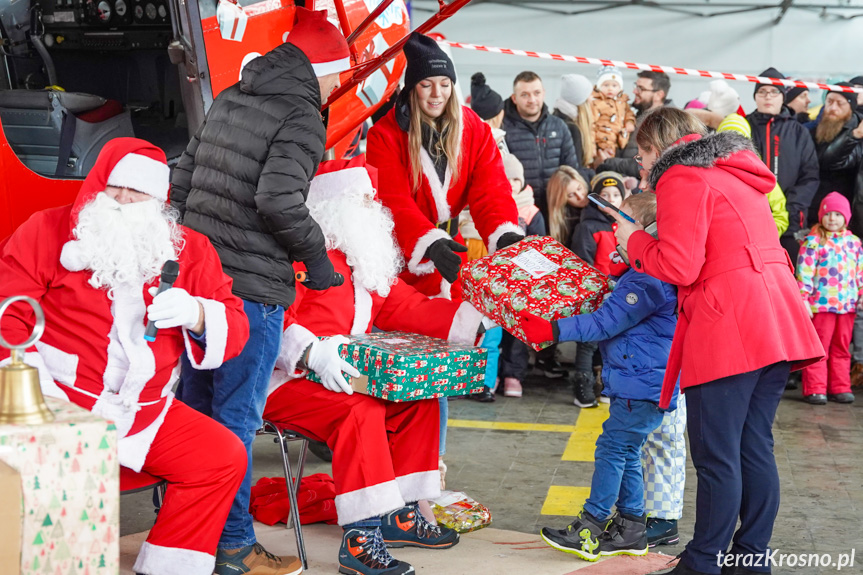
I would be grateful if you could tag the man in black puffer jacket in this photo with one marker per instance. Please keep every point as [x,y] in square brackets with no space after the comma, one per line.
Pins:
[242,182]
[788,150]
[541,141]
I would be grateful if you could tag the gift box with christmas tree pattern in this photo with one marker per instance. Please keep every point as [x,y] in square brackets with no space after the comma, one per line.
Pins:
[71,492]
[399,366]
[536,275]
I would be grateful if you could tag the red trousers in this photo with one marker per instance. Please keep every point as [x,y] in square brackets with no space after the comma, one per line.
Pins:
[833,373]
[384,453]
[204,464]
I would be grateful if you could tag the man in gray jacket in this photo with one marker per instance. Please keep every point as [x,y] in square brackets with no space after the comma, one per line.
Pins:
[242,182]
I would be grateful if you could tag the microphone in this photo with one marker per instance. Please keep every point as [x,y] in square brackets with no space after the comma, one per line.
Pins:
[170,271]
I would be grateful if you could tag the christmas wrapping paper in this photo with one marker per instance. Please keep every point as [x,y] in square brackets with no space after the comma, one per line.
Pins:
[399,366]
[70,483]
[537,275]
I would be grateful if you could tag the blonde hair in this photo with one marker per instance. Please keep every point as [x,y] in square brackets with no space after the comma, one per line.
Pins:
[556,194]
[822,233]
[643,207]
[584,121]
[663,126]
[448,125]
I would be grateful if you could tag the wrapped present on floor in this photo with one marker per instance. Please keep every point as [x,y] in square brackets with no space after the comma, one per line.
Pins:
[537,275]
[399,366]
[456,510]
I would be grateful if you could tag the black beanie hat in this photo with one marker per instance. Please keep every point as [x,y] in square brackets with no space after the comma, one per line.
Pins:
[483,100]
[851,97]
[793,92]
[425,59]
[856,80]
[771,73]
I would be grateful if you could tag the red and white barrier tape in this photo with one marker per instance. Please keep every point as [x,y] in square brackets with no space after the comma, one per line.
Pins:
[655,68]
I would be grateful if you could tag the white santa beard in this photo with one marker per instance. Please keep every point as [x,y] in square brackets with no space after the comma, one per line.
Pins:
[125,243]
[362,229]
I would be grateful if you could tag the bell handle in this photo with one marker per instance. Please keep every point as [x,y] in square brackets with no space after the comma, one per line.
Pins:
[35,335]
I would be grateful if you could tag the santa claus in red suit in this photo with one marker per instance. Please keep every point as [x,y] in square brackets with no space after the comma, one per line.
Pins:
[94,267]
[385,454]
[434,158]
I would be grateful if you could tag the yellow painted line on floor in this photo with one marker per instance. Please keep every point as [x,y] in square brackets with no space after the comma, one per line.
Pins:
[582,442]
[564,500]
[510,426]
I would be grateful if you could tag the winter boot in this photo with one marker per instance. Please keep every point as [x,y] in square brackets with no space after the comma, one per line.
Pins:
[550,367]
[581,537]
[364,552]
[255,560]
[680,569]
[662,532]
[841,397]
[408,528]
[626,535]
[582,389]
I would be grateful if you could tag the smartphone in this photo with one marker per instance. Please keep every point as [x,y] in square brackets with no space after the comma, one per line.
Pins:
[600,201]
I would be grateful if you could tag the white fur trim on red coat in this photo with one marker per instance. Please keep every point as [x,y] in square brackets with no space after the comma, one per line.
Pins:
[362,310]
[368,502]
[215,340]
[142,174]
[295,341]
[439,191]
[420,485]
[46,378]
[333,67]
[132,450]
[158,560]
[419,252]
[465,324]
[504,228]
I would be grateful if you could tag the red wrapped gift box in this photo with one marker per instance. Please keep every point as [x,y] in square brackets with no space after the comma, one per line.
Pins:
[537,274]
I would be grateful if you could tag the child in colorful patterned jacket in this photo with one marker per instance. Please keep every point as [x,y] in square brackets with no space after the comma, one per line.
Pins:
[830,276]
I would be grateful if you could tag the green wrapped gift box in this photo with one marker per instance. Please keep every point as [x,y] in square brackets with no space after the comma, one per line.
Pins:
[399,366]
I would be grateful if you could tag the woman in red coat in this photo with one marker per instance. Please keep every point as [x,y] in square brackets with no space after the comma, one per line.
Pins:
[434,157]
[742,327]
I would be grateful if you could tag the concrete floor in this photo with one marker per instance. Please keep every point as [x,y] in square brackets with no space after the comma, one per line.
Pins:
[819,450]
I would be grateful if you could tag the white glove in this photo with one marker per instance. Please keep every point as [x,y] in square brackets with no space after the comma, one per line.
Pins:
[173,308]
[324,359]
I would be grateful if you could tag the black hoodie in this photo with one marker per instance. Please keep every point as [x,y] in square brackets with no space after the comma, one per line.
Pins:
[244,177]
[593,241]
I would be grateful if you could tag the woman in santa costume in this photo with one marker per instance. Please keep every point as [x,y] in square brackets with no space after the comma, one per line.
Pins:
[94,266]
[384,453]
[435,157]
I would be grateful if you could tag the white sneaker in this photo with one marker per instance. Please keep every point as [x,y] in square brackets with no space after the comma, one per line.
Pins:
[511,387]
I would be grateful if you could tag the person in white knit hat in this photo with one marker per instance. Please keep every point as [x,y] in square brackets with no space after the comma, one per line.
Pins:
[572,108]
[613,120]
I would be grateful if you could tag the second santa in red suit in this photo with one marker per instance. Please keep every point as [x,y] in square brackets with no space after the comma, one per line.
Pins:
[435,157]
[385,454]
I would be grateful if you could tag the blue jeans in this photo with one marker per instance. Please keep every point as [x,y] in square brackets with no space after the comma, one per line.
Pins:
[491,341]
[617,474]
[235,395]
[444,418]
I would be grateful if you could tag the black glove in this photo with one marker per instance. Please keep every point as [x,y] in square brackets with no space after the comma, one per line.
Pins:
[508,239]
[442,254]
[320,274]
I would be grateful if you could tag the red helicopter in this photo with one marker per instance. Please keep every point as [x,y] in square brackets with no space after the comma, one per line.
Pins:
[151,69]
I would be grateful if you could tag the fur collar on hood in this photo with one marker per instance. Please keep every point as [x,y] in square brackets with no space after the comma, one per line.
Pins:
[699,152]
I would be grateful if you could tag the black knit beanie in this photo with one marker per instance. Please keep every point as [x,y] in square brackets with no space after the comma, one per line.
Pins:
[425,60]
[608,180]
[851,97]
[793,92]
[483,100]
[771,73]
[857,80]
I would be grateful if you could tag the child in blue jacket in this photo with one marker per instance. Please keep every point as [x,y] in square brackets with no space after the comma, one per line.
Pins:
[635,326]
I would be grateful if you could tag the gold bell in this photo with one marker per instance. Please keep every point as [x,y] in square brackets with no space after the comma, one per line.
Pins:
[21,400]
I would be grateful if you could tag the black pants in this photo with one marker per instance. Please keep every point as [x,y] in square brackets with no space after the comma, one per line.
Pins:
[791,246]
[730,426]
[514,357]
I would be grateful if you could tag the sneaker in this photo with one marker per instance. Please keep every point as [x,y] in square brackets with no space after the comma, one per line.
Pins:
[662,532]
[550,368]
[582,388]
[626,535]
[680,569]
[815,399]
[408,528]
[511,387]
[321,450]
[484,396]
[255,560]
[604,399]
[581,537]
[793,380]
[841,397]
[364,552]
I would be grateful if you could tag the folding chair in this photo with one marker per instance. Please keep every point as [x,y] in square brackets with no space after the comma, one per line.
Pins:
[283,436]
[135,482]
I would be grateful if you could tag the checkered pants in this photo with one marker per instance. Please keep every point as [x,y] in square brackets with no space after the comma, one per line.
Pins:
[664,462]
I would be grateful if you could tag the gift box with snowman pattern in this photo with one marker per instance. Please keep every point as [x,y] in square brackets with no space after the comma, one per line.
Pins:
[537,275]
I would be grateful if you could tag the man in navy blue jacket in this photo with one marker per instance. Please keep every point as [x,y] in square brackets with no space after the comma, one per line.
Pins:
[635,326]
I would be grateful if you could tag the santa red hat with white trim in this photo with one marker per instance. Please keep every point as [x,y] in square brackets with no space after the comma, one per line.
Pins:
[322,43]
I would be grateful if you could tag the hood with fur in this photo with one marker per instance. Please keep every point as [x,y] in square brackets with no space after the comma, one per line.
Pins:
[727,151]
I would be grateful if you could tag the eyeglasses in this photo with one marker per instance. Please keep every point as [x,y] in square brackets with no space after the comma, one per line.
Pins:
[768,93]
[639,160]
[637,88]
